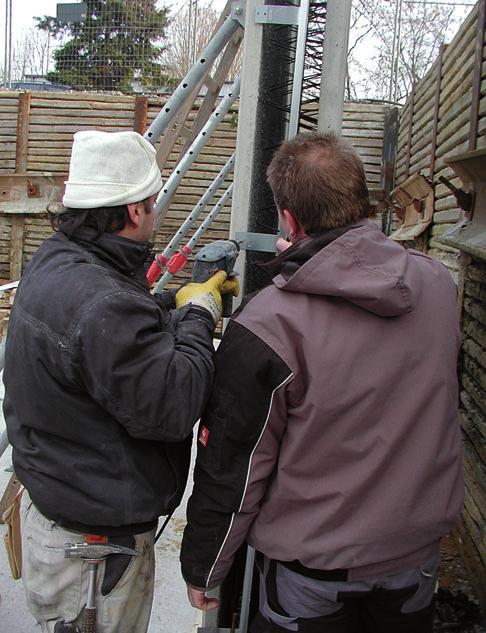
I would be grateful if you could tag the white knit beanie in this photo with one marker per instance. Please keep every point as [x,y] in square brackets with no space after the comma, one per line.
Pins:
[108,169]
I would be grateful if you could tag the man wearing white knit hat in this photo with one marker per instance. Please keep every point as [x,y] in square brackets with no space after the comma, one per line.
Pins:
[104,382]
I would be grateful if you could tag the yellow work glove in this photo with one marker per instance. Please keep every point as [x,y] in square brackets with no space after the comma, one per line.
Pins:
[231,287]
[206,295]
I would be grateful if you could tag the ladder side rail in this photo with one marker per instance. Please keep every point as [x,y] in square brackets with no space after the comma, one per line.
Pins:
[178,126]
[199,208]
[187,250]
[195,74]
[185,163]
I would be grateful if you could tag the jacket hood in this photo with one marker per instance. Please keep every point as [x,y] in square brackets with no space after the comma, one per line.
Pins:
[361,265]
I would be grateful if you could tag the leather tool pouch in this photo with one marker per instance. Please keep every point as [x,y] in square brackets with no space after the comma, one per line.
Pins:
[13,543]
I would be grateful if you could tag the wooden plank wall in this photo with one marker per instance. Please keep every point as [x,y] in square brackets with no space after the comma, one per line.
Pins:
[9,107]
[446,115]
[363,127]
[437,122]
[53,118]
[472,529]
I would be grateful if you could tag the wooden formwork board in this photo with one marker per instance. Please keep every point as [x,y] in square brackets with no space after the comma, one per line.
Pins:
[55,117]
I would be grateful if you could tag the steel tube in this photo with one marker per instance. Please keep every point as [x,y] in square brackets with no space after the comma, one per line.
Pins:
[167,276]
[245,598]
[210,217]
[298,69]
[199,208]
[190,156]
[195,74]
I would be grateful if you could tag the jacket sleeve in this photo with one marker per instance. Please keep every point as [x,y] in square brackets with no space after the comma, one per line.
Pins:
[151,372]
[238,444]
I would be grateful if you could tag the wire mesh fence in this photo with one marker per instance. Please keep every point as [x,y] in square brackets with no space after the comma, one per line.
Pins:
[109,45]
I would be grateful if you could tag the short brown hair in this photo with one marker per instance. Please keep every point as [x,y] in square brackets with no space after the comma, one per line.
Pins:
[321,180]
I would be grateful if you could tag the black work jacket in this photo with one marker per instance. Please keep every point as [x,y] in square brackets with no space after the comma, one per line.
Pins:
[103,385]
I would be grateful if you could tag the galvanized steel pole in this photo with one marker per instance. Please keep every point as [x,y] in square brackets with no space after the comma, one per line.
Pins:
[190,156]
[199,208]
[207,57]
[335,55]
[167,276]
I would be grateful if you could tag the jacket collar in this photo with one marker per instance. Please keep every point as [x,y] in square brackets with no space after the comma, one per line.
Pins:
[288,262]
[127,256]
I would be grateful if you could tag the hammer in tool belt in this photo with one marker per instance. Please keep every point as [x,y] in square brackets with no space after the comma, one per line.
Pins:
[94,550]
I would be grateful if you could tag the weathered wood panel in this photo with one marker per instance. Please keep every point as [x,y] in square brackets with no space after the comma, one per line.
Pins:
[428,136]
[460,123]
[54,118]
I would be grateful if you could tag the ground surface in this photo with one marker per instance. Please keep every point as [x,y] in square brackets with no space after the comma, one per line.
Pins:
[457,603]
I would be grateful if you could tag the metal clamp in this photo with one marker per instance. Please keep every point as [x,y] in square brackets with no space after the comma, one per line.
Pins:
[263,242]
[273,14]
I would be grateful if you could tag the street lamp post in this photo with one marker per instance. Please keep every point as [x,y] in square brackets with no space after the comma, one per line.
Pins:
[7,69]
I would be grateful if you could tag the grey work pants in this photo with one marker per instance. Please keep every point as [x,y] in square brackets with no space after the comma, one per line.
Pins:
[399,603]
[56,587]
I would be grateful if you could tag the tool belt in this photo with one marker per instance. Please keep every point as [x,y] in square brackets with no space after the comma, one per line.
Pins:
[10,515]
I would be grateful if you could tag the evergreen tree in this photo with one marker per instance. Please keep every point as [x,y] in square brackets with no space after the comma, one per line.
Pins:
[117,42]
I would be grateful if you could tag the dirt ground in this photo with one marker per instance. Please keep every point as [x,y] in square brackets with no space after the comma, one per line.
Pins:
[457,604]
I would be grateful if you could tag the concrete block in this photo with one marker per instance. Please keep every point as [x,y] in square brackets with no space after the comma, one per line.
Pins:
[439,229]
[443,247]
[451,260]
[450,215]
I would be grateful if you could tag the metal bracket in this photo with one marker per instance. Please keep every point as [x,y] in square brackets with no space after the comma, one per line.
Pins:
[238,12]
[274,14]
[263,242]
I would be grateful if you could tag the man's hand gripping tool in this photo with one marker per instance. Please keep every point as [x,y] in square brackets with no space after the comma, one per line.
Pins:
[218,255]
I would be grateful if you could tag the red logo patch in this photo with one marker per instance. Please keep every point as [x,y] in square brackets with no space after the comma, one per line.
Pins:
[203,436]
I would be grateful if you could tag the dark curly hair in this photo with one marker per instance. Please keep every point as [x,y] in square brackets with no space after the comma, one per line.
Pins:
[103,219]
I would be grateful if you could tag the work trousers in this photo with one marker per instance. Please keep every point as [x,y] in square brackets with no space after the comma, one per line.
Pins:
[56,587]
[399,603]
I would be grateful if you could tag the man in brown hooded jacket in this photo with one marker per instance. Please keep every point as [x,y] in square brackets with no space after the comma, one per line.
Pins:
[331,441]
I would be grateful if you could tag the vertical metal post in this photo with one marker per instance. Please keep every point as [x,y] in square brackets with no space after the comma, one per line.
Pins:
[247,130]
[7,72]
[10,45]
[5,56]
[392,61]
[245,599]
[435,120]
[397,56]
[334,65]
[388,164]
[410,133]
[298,69]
